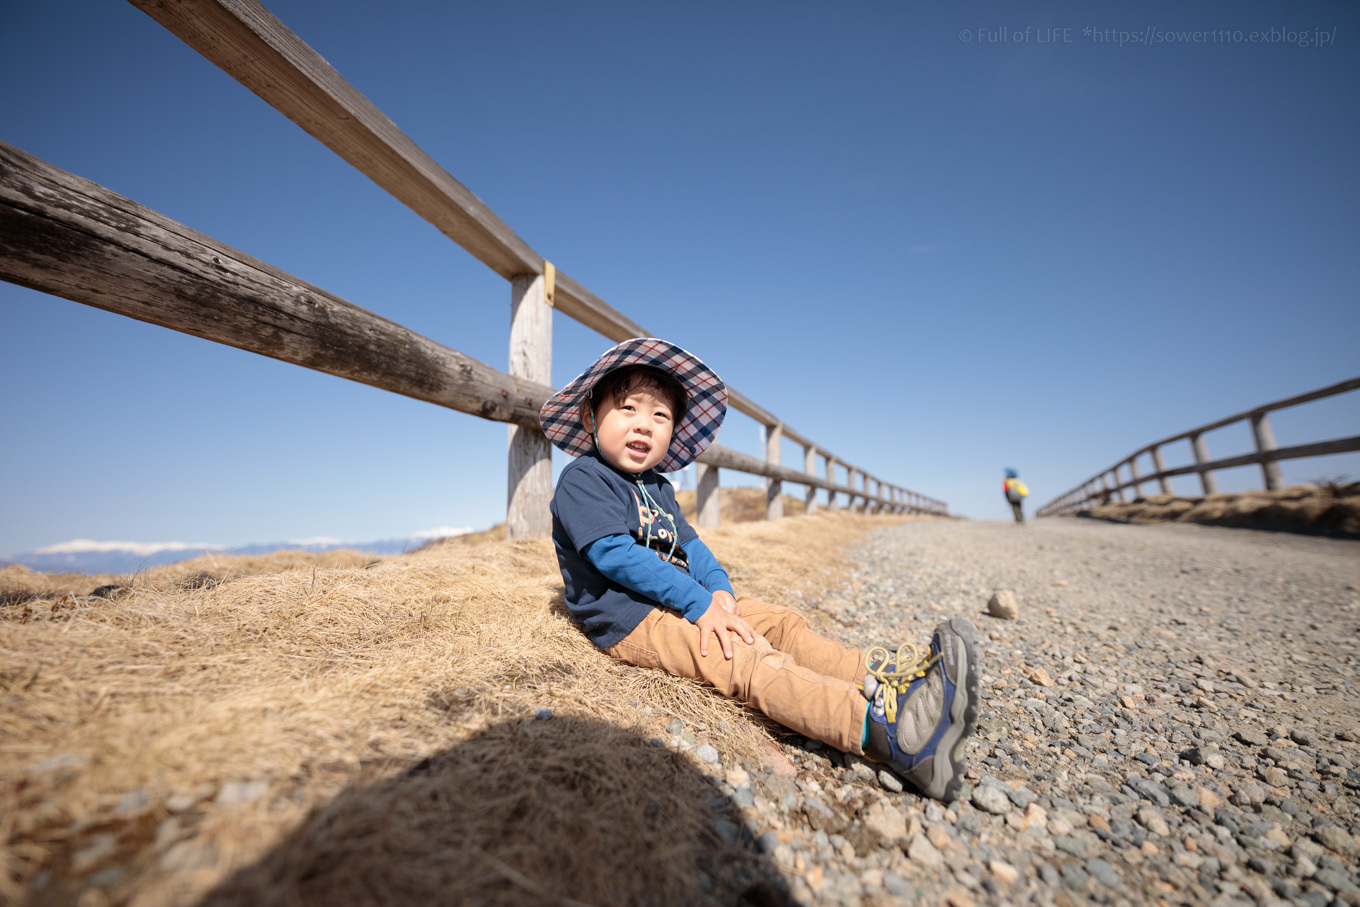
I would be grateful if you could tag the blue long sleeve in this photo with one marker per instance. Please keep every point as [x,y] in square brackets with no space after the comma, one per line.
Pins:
[705,569]
[627,563]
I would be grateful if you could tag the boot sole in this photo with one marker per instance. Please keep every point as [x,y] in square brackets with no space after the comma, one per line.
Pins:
[947,774]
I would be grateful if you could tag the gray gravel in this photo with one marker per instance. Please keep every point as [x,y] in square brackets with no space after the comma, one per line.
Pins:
[1174,716]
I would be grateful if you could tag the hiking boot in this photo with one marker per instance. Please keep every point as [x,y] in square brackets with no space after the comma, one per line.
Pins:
[922,708]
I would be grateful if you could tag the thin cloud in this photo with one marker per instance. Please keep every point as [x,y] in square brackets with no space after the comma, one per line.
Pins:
[443,532]
[144,549]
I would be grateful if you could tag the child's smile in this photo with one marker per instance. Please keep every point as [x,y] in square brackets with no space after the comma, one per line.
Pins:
[633,435]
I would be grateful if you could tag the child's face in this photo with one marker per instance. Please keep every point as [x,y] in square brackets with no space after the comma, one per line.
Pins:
[634,435]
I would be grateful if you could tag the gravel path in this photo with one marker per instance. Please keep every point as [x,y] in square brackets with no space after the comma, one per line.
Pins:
[1174,716]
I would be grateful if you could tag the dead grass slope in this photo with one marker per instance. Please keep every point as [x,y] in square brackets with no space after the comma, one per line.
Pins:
[736,505]
[1331,508]
[19,584]
[365,733]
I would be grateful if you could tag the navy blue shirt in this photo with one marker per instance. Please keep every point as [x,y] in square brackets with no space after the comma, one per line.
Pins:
[594,500]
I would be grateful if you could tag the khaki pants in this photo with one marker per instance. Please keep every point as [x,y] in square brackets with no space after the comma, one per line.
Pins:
[800,679]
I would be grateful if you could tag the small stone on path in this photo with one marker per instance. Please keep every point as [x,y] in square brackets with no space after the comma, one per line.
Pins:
[1152,820]
[1003,605]
[920,850]
[991,800]
[1005,873]
[888,822]
[1336,839]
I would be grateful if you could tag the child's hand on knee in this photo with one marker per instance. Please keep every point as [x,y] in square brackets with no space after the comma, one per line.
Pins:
[721,624]
[728,602]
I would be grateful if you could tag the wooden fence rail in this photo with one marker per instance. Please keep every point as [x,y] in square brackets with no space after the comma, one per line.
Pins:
[66,236]
[246,41]
[1110,483]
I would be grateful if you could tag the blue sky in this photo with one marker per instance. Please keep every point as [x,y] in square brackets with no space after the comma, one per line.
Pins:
[932,245]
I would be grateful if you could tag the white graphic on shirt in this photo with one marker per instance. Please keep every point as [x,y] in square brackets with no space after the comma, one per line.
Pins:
[662,525]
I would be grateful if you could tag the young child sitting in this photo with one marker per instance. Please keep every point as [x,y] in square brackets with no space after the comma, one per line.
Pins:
[646,590]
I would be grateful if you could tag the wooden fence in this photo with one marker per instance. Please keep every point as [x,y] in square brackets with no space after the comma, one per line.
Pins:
[1110,484]
[64,235]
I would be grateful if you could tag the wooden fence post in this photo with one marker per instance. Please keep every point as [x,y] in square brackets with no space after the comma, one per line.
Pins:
[810,467]
[830,477]
[1133,471]
[530,453]
[1201,451]
[1160,465]
[708,509]
[774,504]
[850,473]
[1265,442]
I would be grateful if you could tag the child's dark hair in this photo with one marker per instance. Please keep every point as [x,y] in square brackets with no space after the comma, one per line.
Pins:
[621,382]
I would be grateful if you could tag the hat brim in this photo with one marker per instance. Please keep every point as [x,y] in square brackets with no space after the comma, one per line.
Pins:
[706,400]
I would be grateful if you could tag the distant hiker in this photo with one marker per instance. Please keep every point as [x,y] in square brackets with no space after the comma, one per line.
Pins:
[644,588]
[1016,492]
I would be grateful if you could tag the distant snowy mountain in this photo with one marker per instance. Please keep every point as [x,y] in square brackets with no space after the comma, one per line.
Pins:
[89,556]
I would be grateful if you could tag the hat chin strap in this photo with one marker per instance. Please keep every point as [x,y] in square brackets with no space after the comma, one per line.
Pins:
[595,433]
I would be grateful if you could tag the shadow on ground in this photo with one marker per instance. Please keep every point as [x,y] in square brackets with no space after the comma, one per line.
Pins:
[560,810]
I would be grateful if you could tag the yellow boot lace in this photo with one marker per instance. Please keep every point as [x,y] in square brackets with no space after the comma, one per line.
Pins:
[897,673]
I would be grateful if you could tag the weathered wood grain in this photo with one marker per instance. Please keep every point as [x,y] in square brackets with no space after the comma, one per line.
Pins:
[1200,447]
[810,467]
[708,510]
[1265,442]
[1330,390]
[251,45]
[529,474]
[774,503]
[727,458]
[1159,464]
[254,47]
[64,235]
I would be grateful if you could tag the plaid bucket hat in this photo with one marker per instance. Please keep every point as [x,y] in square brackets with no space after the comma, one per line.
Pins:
[706,400]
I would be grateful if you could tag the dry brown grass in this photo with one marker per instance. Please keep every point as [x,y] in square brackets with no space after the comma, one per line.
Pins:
[737,505]
[1330,507]
[20,584]
[384,713]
